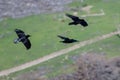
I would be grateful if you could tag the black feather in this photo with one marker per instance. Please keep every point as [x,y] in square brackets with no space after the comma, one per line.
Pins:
[77,20]
[67,40]
[23,38]
[19,32]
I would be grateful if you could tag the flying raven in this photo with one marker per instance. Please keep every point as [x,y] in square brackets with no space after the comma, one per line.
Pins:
[77,20]
[22,38]
[67,40]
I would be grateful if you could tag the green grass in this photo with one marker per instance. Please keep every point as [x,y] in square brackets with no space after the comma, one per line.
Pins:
[44,29]
[109,47]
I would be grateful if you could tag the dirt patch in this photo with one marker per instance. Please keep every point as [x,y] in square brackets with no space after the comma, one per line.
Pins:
[87,8]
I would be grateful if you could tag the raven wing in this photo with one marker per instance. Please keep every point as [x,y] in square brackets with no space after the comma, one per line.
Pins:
[74,18]
[65,38]
[83,23]
[20,33]
[26,43]
[74,40]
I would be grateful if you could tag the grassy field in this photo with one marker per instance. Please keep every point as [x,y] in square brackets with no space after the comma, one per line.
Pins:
[44,29]
[109,47]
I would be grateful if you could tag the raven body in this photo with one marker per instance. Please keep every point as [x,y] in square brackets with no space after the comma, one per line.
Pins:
[67,40]
[22,38]
[77,20]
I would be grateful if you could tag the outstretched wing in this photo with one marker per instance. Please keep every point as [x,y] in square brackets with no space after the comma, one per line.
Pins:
[26,43]
[65,38]
[74,18]
[74,40]
[83,22]
[19,32]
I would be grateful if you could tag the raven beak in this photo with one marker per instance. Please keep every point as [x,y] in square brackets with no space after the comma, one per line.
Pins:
[29,35]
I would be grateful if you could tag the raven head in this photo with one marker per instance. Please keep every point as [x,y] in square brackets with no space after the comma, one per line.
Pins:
[28,36]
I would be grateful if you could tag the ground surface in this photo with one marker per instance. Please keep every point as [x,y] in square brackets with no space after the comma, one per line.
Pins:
[55,54]
[98,25]
[18,8]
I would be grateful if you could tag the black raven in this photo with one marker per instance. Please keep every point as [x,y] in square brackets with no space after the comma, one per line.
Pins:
[22,38]
[67,40]
[77,20]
